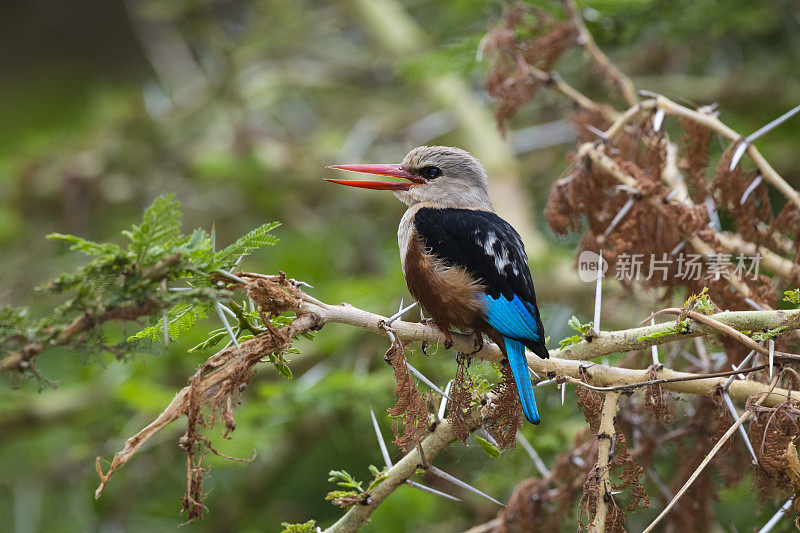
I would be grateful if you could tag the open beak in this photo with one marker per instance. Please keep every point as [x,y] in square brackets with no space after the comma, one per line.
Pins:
[379,170]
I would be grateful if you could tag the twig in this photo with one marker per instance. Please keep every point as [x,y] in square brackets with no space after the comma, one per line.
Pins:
[742,419]
[714,124]
[602,472]
[621,82]
[441,437]
[486,527]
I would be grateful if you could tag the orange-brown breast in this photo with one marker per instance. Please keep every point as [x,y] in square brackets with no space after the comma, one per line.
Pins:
[447,293]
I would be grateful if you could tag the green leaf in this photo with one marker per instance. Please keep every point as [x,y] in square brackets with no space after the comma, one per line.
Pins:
[163,219]
[308,527]
[575,324]
[283,369]
[761,336]
[679,327]
[377,481]
[248,243]
[792,296]
[85,246]
[181,319]
[575,339]
[490,449]
[343,479]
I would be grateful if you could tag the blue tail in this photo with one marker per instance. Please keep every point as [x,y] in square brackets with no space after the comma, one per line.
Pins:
[515,351]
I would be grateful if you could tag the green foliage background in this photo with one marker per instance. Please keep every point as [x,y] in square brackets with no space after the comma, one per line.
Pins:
[97,122]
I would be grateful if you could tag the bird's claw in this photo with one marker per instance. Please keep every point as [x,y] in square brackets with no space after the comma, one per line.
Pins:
[448,339]
[478,343]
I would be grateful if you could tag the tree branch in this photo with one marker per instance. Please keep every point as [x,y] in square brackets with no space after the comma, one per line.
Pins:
[441,437]
[605,437]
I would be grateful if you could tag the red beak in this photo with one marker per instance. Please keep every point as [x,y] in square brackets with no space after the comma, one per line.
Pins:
[378,170]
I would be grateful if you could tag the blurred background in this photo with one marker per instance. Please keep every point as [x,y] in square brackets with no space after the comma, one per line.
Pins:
[236,106]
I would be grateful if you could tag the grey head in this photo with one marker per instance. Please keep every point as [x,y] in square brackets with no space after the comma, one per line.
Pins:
[453,178]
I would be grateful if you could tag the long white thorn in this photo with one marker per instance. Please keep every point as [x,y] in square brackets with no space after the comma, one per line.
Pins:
[742,432]
[737,368]
[772,125]
[425,380]
[738,153]
[654,348]
[658,119]
[424,488]
[526,445]
[232,277]
[619,216]
[443,404]
[400,313]
[598,294]
[455,481]
[771,356]
[221,313]
[489,437]
[386,459]
[750,188]
[777,517]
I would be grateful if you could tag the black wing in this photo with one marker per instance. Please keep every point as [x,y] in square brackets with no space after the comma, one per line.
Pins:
[488,247]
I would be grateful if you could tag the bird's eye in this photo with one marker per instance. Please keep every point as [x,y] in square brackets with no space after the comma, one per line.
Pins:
[430,173]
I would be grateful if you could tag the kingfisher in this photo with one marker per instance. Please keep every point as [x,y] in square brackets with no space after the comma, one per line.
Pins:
[464,265]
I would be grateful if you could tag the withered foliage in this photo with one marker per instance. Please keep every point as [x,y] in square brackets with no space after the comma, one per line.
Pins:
[655,401]
[773,434]
[696,141]
[747,207]
[590,403]
[630,476]
[504,417]
[459,407]
[525,39]
[540,504]
[205,403]
[637,193]
[410,412]
[695,510]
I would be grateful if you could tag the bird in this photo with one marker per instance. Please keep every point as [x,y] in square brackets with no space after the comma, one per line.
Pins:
[465,266]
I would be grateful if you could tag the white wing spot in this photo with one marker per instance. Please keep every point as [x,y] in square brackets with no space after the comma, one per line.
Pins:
[488,244]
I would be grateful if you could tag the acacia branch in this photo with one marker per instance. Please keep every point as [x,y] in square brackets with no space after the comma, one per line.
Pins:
[569,360]
[440,438]
[620,81]
[227,369]
[602,472]
[715,124]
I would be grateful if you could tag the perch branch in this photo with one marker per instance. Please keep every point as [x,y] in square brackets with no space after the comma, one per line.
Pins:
[230,364]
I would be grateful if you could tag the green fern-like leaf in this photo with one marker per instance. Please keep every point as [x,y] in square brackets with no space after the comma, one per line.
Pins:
[248,243]
[181,318]
[85,246]
[164,219]
[161,226]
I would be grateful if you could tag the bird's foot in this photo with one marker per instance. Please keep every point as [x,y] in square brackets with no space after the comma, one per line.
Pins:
[478,343]
[448,339]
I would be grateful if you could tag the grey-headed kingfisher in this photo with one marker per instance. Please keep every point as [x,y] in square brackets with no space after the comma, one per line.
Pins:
[465,265]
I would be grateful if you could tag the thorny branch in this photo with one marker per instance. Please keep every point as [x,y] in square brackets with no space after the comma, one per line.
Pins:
[225,372]
[602,473]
